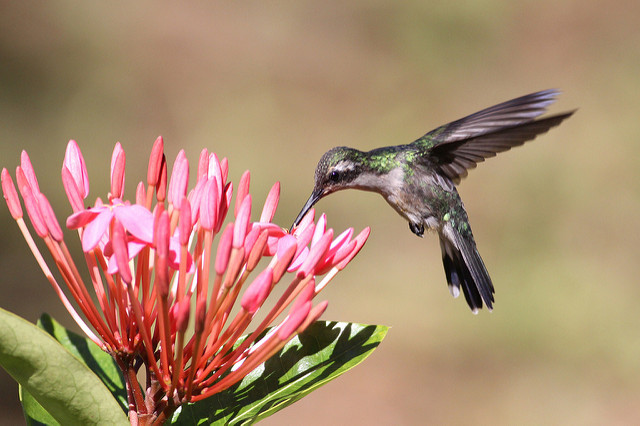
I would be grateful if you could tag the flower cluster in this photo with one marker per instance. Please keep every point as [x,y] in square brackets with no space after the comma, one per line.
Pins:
[167,272]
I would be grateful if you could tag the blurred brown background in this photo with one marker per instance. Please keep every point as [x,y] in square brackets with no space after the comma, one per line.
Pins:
[273,85]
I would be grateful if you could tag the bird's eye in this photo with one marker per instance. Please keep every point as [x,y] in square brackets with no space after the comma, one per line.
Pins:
[334,176]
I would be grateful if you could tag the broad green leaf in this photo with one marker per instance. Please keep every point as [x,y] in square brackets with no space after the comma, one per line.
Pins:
[100,362]
[320,354]
[70,392]
[34,413]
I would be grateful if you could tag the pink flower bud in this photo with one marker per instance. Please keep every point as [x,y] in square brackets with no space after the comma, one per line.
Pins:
[306,295]
[195,197]
[243,190]
[141,194]
[294,320]
[287,247]
[255,252]
[255,295]
[215,172]
[332,259]
[10,195]
[29,174]
[360,240]
[179,179]
[49,218]
[242,222]
[306,221]
[224,169]
[225,202]
[119,245]
[161,185]
[224,249]
[270,205]
[209,205]
[33,211]
[74,163]
[251,238]
[185,225]
[203,164]
[316,253]
[73,193]
[155,162]
[304,237]
[321,227]
[118,161]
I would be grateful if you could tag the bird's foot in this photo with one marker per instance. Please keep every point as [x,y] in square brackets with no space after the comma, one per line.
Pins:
[417,228]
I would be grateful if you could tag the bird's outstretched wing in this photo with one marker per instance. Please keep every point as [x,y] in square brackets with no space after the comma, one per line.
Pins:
[458,146]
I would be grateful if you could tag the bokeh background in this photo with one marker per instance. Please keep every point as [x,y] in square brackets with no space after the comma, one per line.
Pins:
[272,85]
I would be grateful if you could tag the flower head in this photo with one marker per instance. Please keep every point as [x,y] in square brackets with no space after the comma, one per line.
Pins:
[173,258]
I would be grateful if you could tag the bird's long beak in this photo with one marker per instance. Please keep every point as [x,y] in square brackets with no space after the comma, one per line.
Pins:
[315,196]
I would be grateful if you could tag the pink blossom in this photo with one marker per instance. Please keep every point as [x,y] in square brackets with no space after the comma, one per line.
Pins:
[152,261]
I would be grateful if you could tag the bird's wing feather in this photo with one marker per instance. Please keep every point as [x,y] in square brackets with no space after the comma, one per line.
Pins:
[454,159]
[507,114]
[458,146]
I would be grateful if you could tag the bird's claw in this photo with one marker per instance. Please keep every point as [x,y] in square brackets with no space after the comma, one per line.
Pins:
[417,228]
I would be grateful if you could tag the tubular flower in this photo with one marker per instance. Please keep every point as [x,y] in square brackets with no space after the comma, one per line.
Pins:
[171,259]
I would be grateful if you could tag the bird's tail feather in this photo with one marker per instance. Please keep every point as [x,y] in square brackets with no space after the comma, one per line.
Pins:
[464,268]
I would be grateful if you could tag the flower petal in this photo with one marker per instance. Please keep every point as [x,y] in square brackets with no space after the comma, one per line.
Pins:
[137,220]
[83,217]
[94,231]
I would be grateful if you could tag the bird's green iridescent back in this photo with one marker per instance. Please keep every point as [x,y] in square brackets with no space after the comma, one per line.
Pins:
[428,141]
[384,160]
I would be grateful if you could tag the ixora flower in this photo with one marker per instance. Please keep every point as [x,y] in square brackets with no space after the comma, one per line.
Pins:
[172,288]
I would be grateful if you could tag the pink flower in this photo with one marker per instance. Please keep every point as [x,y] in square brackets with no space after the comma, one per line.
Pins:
[168,258]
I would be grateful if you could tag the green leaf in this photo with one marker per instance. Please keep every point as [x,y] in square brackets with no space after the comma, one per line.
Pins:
[320,354]
[64,387]
[100,362]
[34,413]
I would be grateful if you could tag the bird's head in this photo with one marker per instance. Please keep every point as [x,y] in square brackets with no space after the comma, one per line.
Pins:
[338,169]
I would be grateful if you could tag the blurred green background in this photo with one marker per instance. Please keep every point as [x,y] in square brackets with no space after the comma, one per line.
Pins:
[273,85]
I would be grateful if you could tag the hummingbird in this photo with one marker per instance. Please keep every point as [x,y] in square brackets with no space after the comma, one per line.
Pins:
[419,180]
